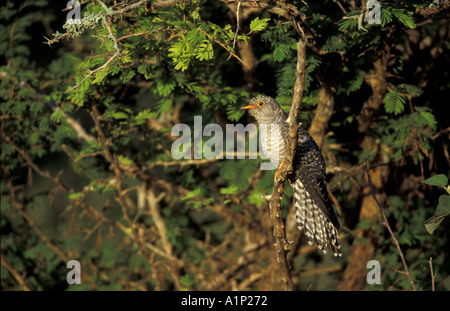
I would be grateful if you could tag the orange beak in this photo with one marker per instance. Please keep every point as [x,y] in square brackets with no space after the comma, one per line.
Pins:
[250,107]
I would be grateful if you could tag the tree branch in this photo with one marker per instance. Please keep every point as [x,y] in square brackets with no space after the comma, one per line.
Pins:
[428,11]
[152,202]
[36,168]
[279,185]
[14,272]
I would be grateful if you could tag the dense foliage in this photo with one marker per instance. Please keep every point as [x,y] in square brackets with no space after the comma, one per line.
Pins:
[87,111]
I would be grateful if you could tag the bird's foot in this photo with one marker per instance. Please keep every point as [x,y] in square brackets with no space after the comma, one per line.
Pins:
[289,174]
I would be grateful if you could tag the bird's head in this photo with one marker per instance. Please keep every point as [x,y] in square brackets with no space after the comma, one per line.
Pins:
[264,107]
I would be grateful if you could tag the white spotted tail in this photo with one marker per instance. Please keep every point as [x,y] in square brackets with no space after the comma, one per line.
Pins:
[314,223]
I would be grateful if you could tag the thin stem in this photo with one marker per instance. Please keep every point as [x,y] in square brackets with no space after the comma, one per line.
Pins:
[386,223]
[432,274]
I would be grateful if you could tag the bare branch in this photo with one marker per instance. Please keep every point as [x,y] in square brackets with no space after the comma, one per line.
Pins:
[432,274]
[152,202]
[14,272]
[36,168]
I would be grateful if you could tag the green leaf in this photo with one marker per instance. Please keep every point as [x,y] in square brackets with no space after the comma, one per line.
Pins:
[195,14]
[192,194]
[280,52]
[429,118]
[144,115]
[164,105]
[204,51]
[119,115]
[75,195]
[394,102]
[125,160]
[234,113]
[181,53]
[411,89]
[386,16]
[444,204]
[195,37]
[36,107]
[259,24]
[186,280]
[108,11]
[434,222]
[229,190]
[334,43]
[165,88]
[405,17]
[255,198]
[57,115]
[350,21]
[126,76]
[437,180]
[145,70]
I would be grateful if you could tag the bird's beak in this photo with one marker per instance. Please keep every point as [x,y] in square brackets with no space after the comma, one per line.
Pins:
[249,107]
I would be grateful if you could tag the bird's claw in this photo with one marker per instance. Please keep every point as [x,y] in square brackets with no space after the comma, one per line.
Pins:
[288,174]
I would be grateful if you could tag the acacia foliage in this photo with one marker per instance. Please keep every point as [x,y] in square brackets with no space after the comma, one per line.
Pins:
[87,172]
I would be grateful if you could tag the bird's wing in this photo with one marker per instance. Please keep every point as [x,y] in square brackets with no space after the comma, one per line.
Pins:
[313,180]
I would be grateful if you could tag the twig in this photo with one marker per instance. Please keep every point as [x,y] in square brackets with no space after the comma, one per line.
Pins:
[74,6]
[15,274]
[137,34]
[441,132]
[222,45]
[119,225]
[340,6]
[161,227]
[386,223]
[432,274]
[149,246]
[114,163]
[32,223]
[129,7]
[237,23]
[396,270]
[111,35]
[279,185]
[36,168]
[152,202]
[95,70]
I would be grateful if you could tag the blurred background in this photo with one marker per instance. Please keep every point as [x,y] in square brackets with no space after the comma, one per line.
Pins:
[87,173]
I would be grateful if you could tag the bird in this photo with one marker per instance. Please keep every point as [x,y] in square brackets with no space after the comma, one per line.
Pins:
[314,211]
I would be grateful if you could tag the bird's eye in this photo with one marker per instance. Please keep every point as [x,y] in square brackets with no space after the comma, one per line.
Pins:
[260,103]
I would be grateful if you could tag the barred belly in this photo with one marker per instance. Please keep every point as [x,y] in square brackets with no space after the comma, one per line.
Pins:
[273,142]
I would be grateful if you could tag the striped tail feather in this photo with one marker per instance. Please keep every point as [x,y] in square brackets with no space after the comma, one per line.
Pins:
[314,223]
